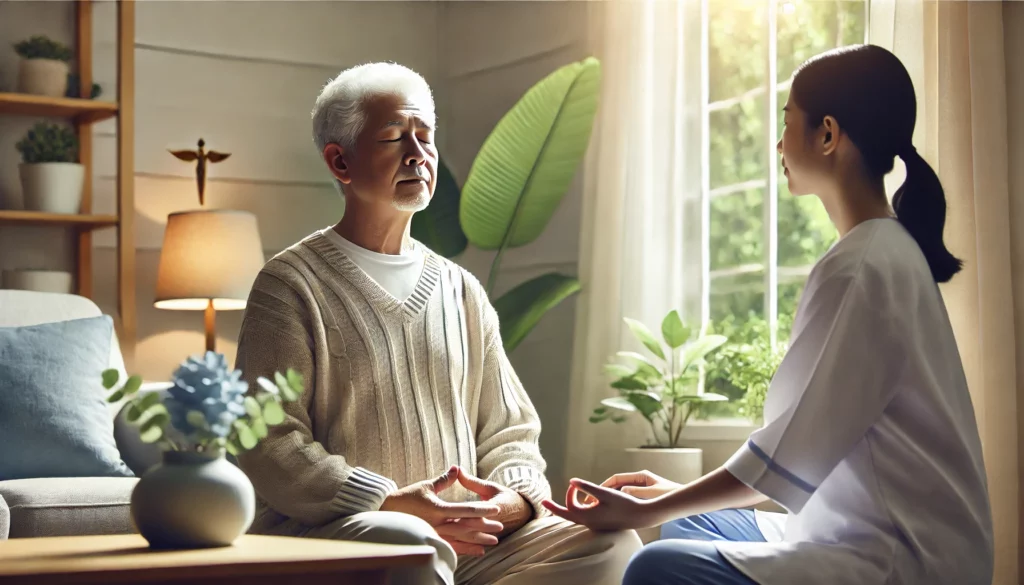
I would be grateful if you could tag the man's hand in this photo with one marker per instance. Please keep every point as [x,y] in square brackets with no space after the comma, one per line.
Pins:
[467,526]
[516,511]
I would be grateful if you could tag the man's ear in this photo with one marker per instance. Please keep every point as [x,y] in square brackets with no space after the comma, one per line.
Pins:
[337,161]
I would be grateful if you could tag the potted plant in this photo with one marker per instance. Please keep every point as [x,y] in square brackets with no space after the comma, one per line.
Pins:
[44,66]
[51,176]
[195,497]
[665,391]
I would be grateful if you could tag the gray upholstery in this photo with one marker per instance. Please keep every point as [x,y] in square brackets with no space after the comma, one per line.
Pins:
[5,519]
[68,506]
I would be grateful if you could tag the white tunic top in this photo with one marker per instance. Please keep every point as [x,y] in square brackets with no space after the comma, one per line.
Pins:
[395,273]
[870,439]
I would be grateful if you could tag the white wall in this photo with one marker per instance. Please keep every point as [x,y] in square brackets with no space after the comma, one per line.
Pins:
[243,76]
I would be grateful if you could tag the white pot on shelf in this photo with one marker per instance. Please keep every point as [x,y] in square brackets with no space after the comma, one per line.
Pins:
[55,281]
[54,187]
[681,465]
[48,77]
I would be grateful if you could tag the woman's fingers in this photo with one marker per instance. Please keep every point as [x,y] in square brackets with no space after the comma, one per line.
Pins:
[641,492]
[595,491]
[561,511]
[636,478]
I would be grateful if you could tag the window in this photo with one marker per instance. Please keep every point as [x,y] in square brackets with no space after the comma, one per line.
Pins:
[761,241]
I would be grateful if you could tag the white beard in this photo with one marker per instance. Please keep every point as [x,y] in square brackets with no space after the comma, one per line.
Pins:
[415,203]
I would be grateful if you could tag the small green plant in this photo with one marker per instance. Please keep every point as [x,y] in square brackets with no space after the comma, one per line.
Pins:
[208,404]
[666,390]
[47,142]
[43,47]
[75,90]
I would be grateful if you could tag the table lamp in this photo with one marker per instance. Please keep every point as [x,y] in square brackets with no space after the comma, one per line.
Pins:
[209,259]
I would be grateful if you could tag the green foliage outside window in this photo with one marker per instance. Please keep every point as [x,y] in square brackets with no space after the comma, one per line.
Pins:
[739,153]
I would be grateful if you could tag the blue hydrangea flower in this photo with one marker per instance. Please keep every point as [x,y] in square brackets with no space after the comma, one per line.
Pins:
[207,385]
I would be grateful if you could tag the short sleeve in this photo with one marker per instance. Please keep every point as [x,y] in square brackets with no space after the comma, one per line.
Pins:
[833,385]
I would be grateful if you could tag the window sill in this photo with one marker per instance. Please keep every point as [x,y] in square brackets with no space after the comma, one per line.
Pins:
[723,429]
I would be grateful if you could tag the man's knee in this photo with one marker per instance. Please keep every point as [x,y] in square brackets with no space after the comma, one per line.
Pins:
[392,528]
[404,529]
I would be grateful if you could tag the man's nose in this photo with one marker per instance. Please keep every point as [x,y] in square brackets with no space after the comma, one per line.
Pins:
[416,155]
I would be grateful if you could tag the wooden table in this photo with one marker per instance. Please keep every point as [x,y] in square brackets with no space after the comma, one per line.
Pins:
[253,560]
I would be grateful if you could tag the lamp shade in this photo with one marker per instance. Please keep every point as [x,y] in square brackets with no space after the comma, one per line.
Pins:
[208,255]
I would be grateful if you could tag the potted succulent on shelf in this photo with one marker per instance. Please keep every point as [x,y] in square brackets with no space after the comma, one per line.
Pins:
[665,391]
[51,176]
[196,497]
[44,66]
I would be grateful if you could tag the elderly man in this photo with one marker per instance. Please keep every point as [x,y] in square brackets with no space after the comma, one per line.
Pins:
[414,428]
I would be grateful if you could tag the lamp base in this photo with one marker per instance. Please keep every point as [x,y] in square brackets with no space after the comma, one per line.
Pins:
[210,319]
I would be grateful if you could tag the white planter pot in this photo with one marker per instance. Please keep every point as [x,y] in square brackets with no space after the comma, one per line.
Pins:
[47,77]
[52,187]
[39,281]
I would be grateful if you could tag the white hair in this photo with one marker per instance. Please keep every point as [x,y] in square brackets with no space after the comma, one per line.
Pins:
[339,114]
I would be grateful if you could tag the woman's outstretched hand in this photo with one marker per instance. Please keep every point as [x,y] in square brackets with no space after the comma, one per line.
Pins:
[606,509]
[643,485]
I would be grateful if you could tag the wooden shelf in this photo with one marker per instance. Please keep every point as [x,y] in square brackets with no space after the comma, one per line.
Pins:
[21,104]
[42,218]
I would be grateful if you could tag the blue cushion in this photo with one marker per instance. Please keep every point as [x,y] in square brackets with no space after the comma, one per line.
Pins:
[54,420]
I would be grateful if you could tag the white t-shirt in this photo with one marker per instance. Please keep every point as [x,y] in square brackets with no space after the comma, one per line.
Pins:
[870,439]
[397,274]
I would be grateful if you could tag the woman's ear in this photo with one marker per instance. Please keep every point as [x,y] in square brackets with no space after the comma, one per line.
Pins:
[830,134]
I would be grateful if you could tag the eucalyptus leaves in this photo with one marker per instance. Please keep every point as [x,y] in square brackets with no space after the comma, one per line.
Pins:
[665,391]
[208,404]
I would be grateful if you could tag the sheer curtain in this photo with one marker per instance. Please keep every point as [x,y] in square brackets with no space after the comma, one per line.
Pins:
[955,51]
[641,248]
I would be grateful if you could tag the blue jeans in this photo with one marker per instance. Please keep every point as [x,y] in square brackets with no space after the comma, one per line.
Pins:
[686,555]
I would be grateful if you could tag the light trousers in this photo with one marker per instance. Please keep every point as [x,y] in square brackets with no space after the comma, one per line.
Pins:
[545,551]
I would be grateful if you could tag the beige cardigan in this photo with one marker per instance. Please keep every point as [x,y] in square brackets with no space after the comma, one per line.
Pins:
[396,392]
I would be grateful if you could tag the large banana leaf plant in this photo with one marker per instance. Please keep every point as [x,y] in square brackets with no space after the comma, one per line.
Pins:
[515,184]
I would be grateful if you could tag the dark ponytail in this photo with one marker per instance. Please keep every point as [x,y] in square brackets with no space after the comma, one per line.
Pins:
[869,92]
[920,205]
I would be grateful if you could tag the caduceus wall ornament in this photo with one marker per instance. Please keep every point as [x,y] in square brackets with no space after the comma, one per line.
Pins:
[201,157]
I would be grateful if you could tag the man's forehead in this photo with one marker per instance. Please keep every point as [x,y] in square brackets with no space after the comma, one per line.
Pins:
[393,111]
[423,118]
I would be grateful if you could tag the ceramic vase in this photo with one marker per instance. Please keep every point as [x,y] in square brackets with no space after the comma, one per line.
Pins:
[193,500]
